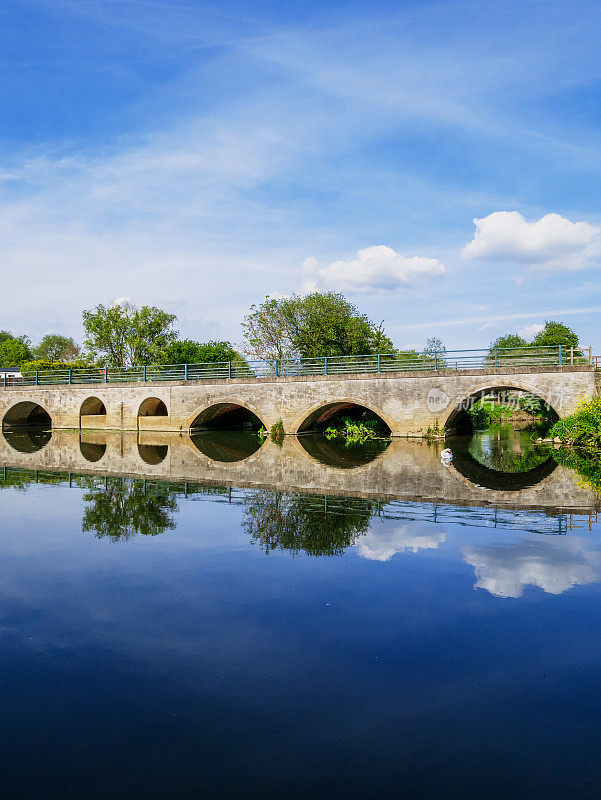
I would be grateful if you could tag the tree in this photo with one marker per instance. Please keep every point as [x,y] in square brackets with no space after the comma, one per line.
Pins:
[434,345]
[185,351]
[511,341]
[123,335]
[316,325]
[14,350]
[267,332]
[55,347]
[555,333]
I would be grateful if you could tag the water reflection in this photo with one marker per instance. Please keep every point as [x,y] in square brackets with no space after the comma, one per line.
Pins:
[92,450]
[504,448]
[121,509]
[227,446]
[153,454]
[382,543]
[337,452]
[28,439]
[292,522]
[505,570]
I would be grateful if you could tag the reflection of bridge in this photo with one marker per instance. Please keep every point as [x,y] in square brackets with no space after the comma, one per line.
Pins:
[406,401]
[403,471]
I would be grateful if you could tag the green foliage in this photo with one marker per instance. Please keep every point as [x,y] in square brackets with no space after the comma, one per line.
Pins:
[43,365]
[356,431]
[583,427]
[123,335]
[555,333]
[186,351]
[55,347]
[277,433]
[266,330]
[485,413]
[316,325]
[14,350]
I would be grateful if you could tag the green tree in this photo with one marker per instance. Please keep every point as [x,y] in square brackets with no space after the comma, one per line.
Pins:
[327,324]
[55,347]
[316,325]
[122,511]
[267,331]
[14,350]
[124,335]
[555,333]
[186,351]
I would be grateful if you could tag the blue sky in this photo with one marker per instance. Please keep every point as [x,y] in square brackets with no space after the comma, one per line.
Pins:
[199,156]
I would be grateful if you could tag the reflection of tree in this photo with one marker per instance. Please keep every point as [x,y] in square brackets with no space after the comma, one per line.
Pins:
[122,509]
[506,449]
[298,522]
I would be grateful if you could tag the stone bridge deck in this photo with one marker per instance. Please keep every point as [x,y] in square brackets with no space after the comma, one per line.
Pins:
[407,402]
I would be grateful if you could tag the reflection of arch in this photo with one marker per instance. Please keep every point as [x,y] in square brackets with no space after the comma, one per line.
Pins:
[92,451]
[479,475]
[152,407]
[153,454]
[26,412]
[336,453]
[458,418]
[227,446]
[224,414]
[319,414]
[27,440]
[92,406]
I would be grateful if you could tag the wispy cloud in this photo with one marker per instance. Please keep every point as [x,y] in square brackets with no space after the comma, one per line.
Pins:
[439,323]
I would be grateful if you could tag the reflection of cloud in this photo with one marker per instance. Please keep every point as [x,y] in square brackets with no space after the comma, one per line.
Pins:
[554,566]
[382,544]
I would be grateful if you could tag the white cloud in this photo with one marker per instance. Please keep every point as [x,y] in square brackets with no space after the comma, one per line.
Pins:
[383,543]
[530,331]
[553,242]
[554,566]
[374,268]
[121,301]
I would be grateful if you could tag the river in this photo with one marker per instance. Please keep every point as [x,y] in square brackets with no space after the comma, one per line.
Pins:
[220,616]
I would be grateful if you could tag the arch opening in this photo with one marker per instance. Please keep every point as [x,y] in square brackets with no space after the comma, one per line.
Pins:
[336,414]
[92,407]
[26,414]
[497,404]
[27,439]
[226,446]
[226,416]
[152,407]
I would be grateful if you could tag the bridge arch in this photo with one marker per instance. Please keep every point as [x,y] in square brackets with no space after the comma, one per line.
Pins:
[92,406]
[225,413]
[320,413]
[25,413]
[456,416]
[153,454]
[153,407]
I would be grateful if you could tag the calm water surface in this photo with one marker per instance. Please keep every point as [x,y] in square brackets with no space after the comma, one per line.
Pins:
[182,634]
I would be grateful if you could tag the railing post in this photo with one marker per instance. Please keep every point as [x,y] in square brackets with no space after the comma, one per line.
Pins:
[70,376]
[36,377]
[572,356]
[185,372]
[495,357]
[559,355]
[379,362]
[325,365]
[435,360]
[144,373]
[229,369]
[106,374]
[5,380]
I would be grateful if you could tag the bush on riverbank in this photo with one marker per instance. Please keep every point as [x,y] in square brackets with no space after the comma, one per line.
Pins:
[583,427]
[357,431]
[587,464]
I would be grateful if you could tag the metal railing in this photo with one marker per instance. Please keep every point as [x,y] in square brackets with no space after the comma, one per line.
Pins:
[491,358]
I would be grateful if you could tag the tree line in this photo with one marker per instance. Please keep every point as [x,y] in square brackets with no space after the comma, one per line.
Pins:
[310,326]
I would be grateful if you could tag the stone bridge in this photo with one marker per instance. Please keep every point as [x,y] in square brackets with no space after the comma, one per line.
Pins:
[407,402]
